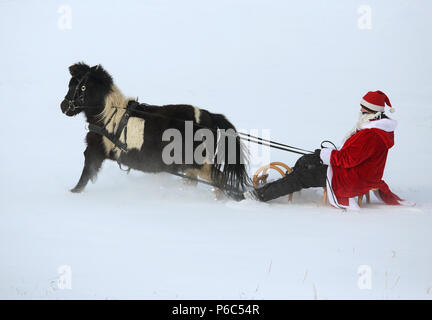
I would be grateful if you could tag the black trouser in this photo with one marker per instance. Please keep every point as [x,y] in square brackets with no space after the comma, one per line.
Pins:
[308,172]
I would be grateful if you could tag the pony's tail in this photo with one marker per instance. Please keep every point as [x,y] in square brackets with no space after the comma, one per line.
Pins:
[233,177]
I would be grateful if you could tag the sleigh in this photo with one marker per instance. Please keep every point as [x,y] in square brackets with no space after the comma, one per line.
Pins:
[260,178]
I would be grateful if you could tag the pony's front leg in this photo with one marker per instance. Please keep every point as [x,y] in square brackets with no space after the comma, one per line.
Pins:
[94,156]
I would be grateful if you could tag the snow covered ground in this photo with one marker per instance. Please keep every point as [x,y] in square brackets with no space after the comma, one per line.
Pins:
[297,68]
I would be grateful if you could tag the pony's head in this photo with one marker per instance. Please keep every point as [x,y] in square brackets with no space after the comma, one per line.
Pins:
[88,88]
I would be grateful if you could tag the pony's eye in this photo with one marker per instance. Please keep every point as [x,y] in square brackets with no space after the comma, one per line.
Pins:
[83,88]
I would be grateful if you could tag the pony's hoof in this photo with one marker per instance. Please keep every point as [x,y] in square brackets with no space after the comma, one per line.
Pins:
[76,190]
[218,193]
[191,183]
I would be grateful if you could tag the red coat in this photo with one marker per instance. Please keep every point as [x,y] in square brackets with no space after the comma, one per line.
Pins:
[359,165]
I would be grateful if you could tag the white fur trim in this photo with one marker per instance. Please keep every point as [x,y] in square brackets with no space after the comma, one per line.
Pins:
[401,202]
[407,203]
[388,125]
[392,109]
[372,106]
[325,155]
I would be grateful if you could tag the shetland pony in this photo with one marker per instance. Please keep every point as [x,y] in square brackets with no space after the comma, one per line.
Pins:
[92,91]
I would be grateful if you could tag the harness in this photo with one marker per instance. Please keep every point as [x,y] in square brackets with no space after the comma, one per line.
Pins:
[78,98]
[115,137]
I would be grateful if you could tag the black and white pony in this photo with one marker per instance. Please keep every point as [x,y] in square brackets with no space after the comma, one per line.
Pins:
[92,91]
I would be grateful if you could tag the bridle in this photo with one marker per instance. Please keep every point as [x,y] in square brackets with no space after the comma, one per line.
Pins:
[77,101]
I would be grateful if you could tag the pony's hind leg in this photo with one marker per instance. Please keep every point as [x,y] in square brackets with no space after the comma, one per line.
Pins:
[192,173]
[94,156]
[205,173]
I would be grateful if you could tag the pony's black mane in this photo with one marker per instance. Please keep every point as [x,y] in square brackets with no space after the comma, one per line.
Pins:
[79,69]
[96,73]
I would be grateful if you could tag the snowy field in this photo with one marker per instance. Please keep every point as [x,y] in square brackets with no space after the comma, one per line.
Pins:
[296,68]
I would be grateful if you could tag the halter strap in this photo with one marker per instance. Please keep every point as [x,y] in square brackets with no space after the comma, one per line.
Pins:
[72,104]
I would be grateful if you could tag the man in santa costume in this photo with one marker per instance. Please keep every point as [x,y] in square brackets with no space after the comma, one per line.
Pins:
[352,170]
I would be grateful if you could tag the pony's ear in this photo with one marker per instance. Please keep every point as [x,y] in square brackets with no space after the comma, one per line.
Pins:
[79,69]
[100,74]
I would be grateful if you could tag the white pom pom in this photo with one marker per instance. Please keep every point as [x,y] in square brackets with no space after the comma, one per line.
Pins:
[392,110]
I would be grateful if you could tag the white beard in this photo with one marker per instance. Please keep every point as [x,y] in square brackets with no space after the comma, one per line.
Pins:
[362,119]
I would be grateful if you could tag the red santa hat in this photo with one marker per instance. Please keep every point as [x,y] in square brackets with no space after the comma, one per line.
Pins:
[376,101]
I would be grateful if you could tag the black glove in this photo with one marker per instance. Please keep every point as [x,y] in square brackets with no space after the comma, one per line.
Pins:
[317,153]
[309,161]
